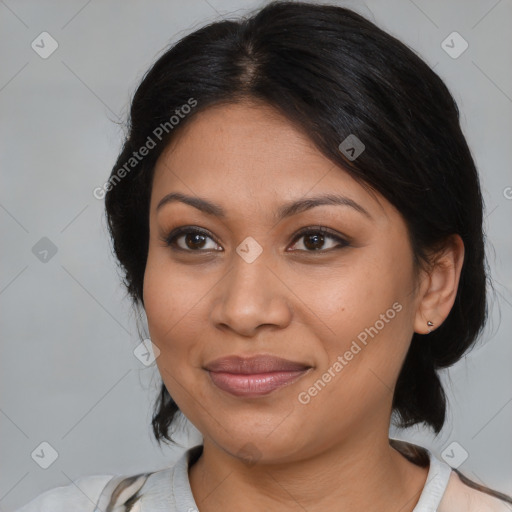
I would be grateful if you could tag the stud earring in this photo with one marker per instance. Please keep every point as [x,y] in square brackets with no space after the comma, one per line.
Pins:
[429,324]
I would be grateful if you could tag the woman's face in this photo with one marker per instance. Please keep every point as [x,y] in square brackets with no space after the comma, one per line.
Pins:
[340,303]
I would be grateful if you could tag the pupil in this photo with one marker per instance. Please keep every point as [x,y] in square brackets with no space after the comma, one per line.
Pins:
[194,244]
[318,241]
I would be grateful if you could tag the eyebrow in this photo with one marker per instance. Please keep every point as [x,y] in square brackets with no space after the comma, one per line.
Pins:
[286,210]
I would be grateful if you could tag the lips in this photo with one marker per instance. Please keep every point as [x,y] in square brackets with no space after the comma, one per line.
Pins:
[254,376]
[254,364]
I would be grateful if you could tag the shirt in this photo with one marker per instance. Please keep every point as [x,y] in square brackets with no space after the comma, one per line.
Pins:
[168,490]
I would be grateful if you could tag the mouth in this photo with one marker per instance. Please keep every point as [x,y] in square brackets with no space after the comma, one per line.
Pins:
[254,376]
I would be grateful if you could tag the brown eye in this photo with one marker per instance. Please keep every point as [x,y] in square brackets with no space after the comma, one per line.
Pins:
[316,239]
[190,240]
[194,240]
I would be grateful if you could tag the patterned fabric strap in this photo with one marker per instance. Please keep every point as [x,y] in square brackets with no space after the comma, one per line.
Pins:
[121,493]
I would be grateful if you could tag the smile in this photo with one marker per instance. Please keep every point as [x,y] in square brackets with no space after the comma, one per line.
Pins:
[253,385]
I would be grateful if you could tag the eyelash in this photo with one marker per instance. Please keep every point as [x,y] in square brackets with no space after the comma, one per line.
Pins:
[171,238]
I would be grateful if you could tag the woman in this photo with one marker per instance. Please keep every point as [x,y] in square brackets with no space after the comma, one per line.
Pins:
[298,213]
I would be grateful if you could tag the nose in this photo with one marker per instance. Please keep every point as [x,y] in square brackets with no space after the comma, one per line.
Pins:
[250,296]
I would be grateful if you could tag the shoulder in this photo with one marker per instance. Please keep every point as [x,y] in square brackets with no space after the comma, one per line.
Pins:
[82,494]
[449,490]
[87,494]
[464,495]
[122,493]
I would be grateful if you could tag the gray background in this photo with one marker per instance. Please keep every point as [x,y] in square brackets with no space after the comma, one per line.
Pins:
[68,373]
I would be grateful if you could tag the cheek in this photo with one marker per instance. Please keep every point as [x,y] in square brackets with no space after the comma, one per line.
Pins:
[354,297]
[367,306]
[175,329]
[170,293]
[169,308]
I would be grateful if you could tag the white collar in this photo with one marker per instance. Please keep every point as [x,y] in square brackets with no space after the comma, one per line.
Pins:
[163,486]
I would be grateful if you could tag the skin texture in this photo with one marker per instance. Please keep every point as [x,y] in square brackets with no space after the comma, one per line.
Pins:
[293,302]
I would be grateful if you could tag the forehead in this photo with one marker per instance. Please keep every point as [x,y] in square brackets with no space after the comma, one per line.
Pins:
[249,153]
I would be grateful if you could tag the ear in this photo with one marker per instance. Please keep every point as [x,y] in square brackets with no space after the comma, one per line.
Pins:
[439,286]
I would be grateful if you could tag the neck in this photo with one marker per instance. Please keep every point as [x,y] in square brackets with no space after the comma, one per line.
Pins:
[359,474]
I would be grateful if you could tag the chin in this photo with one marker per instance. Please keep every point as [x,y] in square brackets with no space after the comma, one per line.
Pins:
[256,446]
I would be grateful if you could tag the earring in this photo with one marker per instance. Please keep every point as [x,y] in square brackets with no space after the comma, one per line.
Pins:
[429,324]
